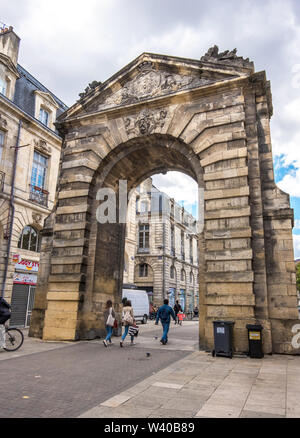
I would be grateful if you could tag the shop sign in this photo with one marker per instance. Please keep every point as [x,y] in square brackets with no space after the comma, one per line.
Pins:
[21,278]
[24,264]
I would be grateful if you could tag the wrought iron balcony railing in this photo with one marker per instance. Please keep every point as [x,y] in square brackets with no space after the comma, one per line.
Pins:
[38,195]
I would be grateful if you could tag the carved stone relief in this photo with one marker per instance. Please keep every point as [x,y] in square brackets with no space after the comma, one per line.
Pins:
[41,146]
[145,122]
[3,122]
[227,57]
[151,83]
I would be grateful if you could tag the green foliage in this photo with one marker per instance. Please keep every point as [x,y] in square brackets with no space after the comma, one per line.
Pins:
[298,276]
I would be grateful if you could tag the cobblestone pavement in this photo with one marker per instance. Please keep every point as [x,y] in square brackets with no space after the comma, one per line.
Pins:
[86,380]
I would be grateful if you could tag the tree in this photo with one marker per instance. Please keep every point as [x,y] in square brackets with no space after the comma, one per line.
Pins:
[298,276]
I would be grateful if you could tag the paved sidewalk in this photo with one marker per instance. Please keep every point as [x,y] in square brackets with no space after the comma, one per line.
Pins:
[200,386]
[197,386]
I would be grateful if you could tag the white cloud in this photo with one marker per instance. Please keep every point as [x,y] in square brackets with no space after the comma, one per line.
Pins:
[291,184]
[179,186]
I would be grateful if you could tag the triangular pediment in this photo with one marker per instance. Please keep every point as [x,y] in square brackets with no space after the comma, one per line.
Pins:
[151,76]
[47,98]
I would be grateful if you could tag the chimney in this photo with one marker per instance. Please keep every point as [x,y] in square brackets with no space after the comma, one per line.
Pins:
[9,43]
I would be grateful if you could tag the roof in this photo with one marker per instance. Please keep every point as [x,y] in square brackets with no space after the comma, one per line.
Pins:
[24,73]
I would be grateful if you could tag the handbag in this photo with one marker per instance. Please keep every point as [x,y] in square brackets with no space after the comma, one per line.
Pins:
[110,319]
[133,330]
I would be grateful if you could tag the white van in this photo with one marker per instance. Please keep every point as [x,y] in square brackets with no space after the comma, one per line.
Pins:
[139,302]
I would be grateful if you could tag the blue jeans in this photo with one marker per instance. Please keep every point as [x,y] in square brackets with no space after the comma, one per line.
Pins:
[166,326]
[126,333]
[109,330]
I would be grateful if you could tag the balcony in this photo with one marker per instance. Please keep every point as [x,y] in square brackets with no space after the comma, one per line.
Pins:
[38,195]
[143,250]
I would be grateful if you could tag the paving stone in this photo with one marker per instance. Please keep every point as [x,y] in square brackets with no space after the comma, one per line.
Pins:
[253,414]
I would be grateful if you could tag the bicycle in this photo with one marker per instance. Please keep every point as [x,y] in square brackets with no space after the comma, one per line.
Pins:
[14,338]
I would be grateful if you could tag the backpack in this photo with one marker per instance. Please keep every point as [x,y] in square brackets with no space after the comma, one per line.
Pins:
[127,318]
[5,312]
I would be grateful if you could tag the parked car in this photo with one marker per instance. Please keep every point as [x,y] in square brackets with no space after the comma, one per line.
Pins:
[140,303]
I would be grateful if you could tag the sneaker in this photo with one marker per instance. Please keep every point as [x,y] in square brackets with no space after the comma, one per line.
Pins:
[121,343]
[132,343]
[105,343]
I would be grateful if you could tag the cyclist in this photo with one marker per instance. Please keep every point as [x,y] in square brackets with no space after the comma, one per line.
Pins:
[5,314]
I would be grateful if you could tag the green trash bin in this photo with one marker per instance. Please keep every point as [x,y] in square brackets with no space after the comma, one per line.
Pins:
[223,337]
[255,340]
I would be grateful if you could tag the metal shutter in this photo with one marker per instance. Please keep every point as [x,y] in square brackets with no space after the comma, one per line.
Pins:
[19,302]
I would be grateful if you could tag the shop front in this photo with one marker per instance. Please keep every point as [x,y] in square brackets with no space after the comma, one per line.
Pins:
[24,284]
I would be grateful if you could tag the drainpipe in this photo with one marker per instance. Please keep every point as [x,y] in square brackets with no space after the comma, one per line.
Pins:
[164,259]
[11,212]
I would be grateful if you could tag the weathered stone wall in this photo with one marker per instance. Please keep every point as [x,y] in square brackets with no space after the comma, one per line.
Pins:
[218,134]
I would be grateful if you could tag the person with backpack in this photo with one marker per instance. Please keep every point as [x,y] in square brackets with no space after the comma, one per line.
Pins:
[164,313]
[109,317]
[128,320]
[5,314]
[177,309]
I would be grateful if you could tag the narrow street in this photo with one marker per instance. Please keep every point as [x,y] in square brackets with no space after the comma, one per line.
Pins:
[51,379]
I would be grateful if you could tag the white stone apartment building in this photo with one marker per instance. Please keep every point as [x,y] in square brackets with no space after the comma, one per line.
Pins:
[161,251]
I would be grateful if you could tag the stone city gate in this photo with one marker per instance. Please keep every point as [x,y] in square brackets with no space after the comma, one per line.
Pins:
[209,119]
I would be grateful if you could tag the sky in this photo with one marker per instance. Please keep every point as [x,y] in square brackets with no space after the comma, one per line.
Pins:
[67,44]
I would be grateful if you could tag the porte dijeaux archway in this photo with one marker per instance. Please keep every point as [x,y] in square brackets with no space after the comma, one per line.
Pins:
[210,119]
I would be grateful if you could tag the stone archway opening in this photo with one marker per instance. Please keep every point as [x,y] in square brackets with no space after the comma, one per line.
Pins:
[131,164]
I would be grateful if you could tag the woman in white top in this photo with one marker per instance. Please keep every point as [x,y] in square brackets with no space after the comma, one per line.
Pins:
[128,320]
[109,328]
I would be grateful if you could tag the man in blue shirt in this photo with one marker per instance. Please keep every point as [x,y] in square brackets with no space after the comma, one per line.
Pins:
[164,313]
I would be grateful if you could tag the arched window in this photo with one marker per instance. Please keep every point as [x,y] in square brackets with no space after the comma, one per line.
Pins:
[29,239]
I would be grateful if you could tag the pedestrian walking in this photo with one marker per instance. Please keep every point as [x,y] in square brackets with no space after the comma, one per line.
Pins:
[196,312]
[164,313]
[177,308]
[109,317]
[5,314]
[128,320]
[180,316]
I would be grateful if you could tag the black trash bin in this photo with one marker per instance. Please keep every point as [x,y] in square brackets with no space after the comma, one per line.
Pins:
[223,336]
[255,340]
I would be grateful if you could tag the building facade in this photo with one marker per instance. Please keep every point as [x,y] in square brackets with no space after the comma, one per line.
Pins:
[30,149]
[161,254]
